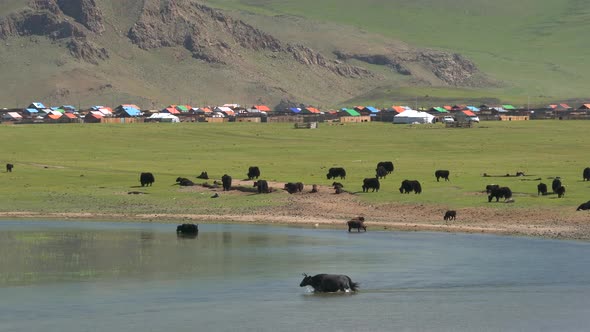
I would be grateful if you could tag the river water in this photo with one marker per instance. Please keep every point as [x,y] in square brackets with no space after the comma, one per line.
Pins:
[101,276]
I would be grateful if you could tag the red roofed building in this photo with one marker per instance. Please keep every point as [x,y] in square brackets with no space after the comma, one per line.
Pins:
[261,108]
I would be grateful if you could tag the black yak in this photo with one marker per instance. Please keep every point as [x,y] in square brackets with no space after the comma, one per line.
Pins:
[442,174]
[560,192]
[450,215]
[184,182]
[408,186]
[146,179]
[253,172]
[335,172]
[358,223]
[556,184]
[322,283]
[584,206]
[586,174]
[203,175]
[491,187]
[370,183]
[187,230]
[380,172]
[388,165]
[262,186]
[9,167]
[541,189]
[292,187]
[226,181]
[502,192]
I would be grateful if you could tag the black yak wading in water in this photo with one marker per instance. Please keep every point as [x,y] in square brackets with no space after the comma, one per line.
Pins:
[329,283]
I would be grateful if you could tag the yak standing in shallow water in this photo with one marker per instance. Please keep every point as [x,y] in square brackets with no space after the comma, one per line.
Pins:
[328,283]
[187,230]
[358,223]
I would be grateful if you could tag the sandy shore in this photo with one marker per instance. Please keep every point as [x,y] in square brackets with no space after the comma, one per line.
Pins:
[326,209]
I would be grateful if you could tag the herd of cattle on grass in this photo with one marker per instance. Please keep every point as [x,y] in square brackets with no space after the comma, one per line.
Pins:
[373,184]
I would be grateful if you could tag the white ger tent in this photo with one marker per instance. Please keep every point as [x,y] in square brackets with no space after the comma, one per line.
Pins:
[164,117]
[412,116]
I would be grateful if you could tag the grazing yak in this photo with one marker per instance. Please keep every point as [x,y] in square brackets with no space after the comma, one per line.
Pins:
[226,181]
[441,174]
[381,172]
[322,283]
[371,183]
[184,182]
[293,187]
[491,187]
[9,168]
[358,223]
[584,206]
[502,192]
[388,165]
[586,174]
[541,189]
[450,215]
[335,172]
[560,192]
[408,186]
[262,186]
[187,230]
[203,175]
[146,179]
[253,172]
[556,184]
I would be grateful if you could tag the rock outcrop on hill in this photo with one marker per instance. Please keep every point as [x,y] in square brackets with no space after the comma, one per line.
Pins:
[214,37]
[48,18]
[451,68]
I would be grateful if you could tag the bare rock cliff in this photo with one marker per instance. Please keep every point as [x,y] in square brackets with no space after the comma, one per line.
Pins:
[451,68]
[53,19]
[214,37]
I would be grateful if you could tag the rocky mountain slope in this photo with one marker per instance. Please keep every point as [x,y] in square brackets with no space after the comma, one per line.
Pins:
[222,49]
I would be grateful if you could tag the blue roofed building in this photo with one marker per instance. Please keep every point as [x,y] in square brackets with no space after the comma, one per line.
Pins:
[127,111]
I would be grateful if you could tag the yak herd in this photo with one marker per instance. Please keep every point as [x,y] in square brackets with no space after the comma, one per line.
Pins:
[373,184]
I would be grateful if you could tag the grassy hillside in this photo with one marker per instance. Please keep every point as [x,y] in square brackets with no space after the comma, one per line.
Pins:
[534,48]
[537,47]
[57,171]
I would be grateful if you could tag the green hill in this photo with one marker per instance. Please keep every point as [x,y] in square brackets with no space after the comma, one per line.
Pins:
[536,48]
[328,53]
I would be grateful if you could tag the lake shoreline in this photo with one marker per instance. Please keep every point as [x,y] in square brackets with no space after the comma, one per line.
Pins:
[525,222]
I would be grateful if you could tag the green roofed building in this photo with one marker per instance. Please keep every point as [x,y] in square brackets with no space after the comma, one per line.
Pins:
[508,107]
[182,108]
[349,112]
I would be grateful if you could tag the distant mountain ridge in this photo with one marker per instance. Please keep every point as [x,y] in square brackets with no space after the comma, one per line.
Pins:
[259,65]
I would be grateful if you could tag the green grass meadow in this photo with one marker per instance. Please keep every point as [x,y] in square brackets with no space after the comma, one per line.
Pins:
[91,167]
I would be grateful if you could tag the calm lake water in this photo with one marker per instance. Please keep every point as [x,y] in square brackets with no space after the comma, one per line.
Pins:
[99,276]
